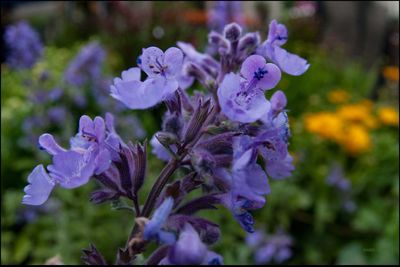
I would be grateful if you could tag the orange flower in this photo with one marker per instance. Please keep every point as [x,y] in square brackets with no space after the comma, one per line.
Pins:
[325,124]
[338,96]
[388,116]
[391,73]
[357,139]
[195,16]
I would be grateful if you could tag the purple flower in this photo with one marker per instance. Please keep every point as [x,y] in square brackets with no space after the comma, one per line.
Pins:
[159,150]
[270,248]
[24,45]
[72,168]
[162,69]
[248,181]
[224,12]
[190,250]
[271,49]
[153,228]
[337,179]
[242,98]
[205,62]
[86,66]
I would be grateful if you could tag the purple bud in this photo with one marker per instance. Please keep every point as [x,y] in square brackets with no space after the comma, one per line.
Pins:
[202,161]
[278,101]
[172,123]
[195,123]
[103,195]
[166,138]
[92,256]
[232,32]
[123,257]
[196,71]
[249,41]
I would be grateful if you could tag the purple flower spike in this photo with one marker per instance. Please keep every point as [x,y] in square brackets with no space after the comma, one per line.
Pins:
[39,188]
[24,45]
[271,49]
[242,99]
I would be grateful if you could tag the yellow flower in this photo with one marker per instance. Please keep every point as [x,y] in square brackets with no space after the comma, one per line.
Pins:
[338,96]
[358,113]
[388,116]
[325,124]
[391,73]
[357,139]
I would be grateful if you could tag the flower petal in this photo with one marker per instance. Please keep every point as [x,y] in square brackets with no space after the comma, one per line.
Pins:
[39,188]
[150,58]
[173,58]
[47,142]
[290,63]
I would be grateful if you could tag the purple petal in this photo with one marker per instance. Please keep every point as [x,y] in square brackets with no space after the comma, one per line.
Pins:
[213,258]
[278,101]
[251,66]
[277,33]
[150,58]
[281,168]
[132,74]
[153,227]
[47,142]
[159,150]
[72,169]
[248,110]
[86,124]
[99,128]
[102,161]
[39,188]
[173,58]
[290,63]
[188,249]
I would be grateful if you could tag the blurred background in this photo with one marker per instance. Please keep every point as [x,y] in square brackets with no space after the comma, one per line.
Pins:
[340,206]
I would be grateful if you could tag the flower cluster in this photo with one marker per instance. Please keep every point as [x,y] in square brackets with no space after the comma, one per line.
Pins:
[23,44]
[350,123]
[226,140]
[86,66]
[270,248]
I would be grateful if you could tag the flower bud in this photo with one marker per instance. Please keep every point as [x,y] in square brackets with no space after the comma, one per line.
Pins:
[232,32]
[196,121]
[103,195]
[172,123]
[278,101]
[202,161]
[166,138]
[249,41]
[196,71]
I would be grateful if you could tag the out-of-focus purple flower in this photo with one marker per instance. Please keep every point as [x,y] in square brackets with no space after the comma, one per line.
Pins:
[271,49]
[24,45]
[87,156]
[57,114]
[255,239]
[337,179]
[153,228]
[162,69]
[86,66]
[190,250]
[242,98]
[270,248]
[225,12]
